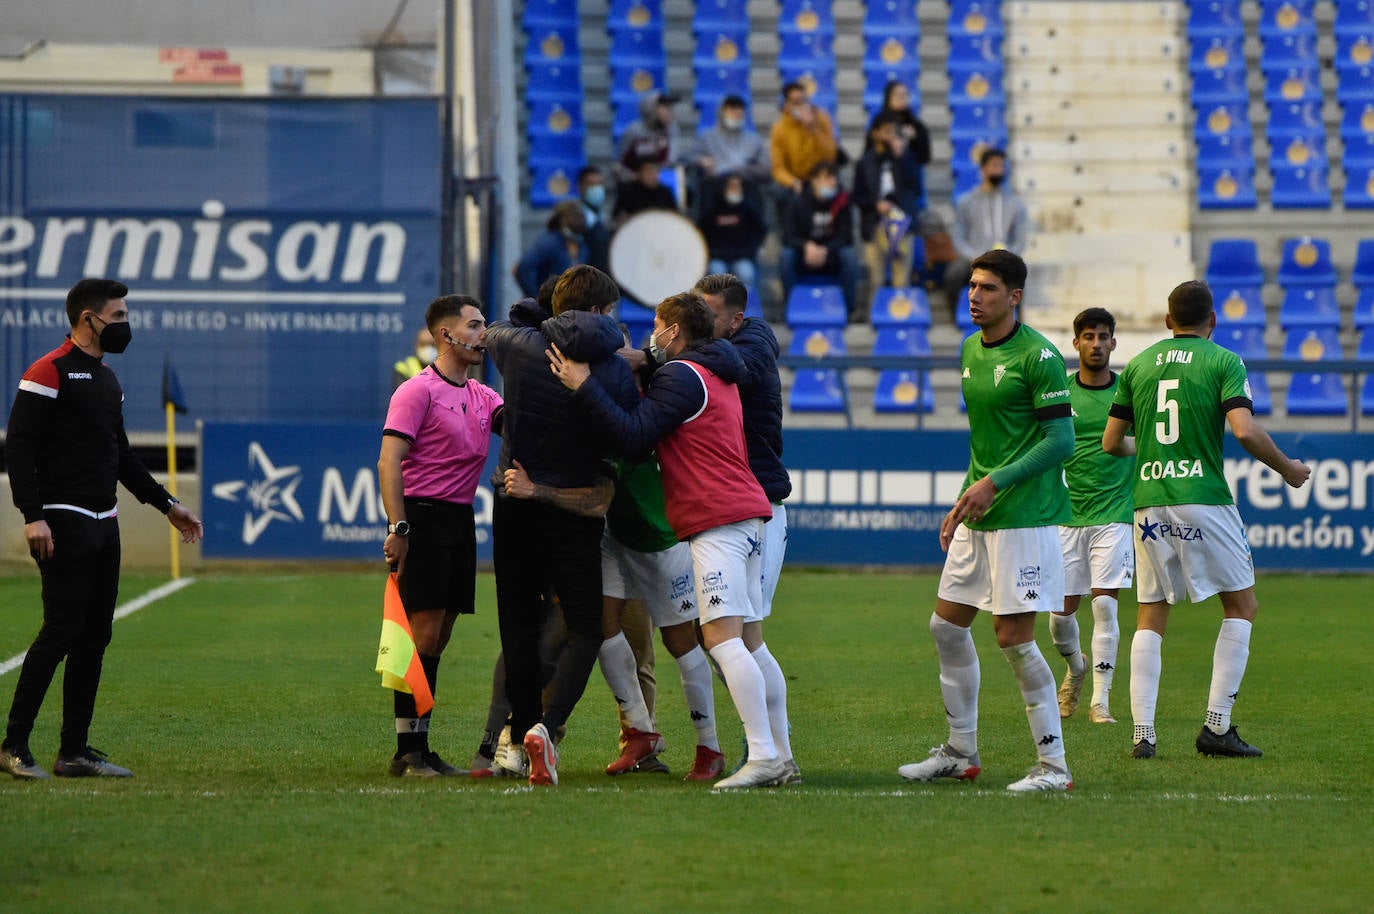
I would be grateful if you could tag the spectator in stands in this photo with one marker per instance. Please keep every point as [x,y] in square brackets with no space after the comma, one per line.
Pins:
[591,192]
[652,138]
[734,230]
[887,191]
[989,217]
[897,103]
[560,246]
[801,139]
[644,191]
[733,149]
[818,236]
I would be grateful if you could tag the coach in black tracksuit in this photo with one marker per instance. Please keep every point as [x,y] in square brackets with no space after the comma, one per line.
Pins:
[66,448]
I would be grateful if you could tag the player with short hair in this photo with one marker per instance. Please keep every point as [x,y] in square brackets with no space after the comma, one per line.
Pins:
[1002,533]
[1179,395]
[1098,555]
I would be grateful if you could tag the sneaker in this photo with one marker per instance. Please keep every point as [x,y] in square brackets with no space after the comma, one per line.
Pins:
[1042,777]
[543,756]
[90,763]
[19,764]
[651,764]
[761,773]
[639,745]
[791,773]
[708,766]
[1227,744]
[1143,749]
[444,768]
[1100,714]
[1069,690]
[412,765]
[944,762]
[510,762]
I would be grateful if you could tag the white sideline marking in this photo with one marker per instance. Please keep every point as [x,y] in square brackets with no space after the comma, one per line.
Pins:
[133,606]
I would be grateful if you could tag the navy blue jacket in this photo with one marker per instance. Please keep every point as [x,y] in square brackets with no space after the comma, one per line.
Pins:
[760,393]
[548,256]
[553,442]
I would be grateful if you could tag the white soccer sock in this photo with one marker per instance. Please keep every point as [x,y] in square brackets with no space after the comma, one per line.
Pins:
[775,686]
[1036,680]
[701,702]
[618,666]
[1228,669]
[745,682]
[959,680]
[1106,640]
[1145,665]
[1064,631]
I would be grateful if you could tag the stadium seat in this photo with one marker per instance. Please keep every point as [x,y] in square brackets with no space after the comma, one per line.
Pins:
[891,52]
[551,150]
[1219,87]
[1357,121]
[629,83]
[1226,188]
[555,117]
[875,84]
[551,184]
[1214,17]
[970,148]
[900,307]
[1246,342]
[1306,261]
[816,306]
[1359,186]
[1354,50]
[817,342]
[1362,272]
[545,13]
[801,50]
[1293,84]
[550,45]
[638,321]
[1309,306]
[1217,52]
[968,18]
[1355,85]
[1315,393]
[1260,397]
[1295,119]
[819,83]
[1297,151]
[817,390]
[903,391]
[635,14]
[806,17]
[975,51]
[1234,262]
[1366,353]
[977,87]
[731,15]
[909,340]
[1304,187]
[638,47]
[1286,17]
[753,303]
[975,119]
[1238,306]
[1353,16]
[554,83]
[1363,315]
[962,319]
[1298,50]
[1225,151]
[1359,151]
[967,176]
[718,49]
[714,83]
[1223,119]
[891,17]
[624,112]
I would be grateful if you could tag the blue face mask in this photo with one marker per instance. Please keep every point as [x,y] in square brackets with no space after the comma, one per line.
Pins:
[594,196]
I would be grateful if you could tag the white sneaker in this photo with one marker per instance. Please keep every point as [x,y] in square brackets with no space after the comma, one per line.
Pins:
[1100,714]
[755,773]
[510,761]
[944,762]
[1042,777]
[1069,690]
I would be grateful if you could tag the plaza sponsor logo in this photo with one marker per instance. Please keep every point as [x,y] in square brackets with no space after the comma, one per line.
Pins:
[1160,530]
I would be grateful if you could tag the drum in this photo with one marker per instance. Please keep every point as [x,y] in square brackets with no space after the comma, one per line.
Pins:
[657,253]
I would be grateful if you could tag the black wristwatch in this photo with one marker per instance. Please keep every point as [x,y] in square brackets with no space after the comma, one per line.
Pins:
[172,500]
[400,528]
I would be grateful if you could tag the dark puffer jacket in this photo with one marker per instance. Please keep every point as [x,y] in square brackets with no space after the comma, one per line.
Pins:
[556,446]
[760,393]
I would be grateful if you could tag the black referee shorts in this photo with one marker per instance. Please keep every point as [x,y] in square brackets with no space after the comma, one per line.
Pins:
[441,560]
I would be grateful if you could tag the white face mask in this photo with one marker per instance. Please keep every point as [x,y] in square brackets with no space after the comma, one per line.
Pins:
[734,199]
[732,123]
[657,352]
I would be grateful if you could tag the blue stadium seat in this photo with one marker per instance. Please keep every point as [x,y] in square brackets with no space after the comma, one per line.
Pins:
[629,83]
[1359,186]
[970,51]
[624,112]
[550,45]
[550,150]
[714,83]
[967,176]
[819,83]
[806,49]
[638,47]
[1363,315]
[543,13]
[1315,393]
[1226,188]
[551,184]
[817,342]
[1359,151]
[1297,151]
[909,340]
[817,390]
[1260,397]
[974,17]
[962,319]
[970,148]
[977,87]
[1355,85]
[1218,87]
[1286,17]
[753,303]
[1357,121]
[806,17]
[1248,343]
[1306,261]
[1217,52]
[718,49]
[1304,187]
[891,52]
[1354,50]
[891,17]
[816,306]
[970,120]
[903,391]
[557,82]
[1223,119]
[1234,262]
[556,117]
[635,14]
[1238,306]
[711,15]
[900,307]
[638,321]
[1310,306]
[1214,17]
[1297,50]
[1362,272]
[875,84]
[1293,84]
[1225,151]
[1354,16]
[1293,118]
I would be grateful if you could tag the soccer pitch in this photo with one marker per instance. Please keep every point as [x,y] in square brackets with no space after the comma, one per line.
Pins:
[259,736]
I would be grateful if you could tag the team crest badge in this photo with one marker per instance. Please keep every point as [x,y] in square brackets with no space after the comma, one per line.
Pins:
[997,374]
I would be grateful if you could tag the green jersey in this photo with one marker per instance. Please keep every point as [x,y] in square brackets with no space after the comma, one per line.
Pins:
[1177,394]
[1010,387]
[636,517]
[1099,484]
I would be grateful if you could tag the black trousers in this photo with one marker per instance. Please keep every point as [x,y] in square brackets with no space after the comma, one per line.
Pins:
[80,586]
[536,548]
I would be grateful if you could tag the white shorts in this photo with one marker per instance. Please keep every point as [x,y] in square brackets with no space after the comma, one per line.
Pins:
[663,580]
[1101,557]
[728,566]
[774,550]
[1197,550]
[1004,571]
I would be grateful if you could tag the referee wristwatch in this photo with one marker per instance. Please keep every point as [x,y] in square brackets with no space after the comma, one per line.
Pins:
[400,528]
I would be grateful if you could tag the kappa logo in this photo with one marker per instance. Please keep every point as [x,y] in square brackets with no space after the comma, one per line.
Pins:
[1046,354]
[1104,667]
[1032,595]
[997,374]
[966,374]
[697,715]
[685,605]
[716,601]
[1049,739]
[270,494]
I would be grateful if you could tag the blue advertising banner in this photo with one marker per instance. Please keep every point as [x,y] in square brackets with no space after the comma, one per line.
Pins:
[303,491]
[279,253]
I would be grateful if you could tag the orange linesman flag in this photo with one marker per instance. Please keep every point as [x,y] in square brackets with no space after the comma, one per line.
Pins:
[397,659]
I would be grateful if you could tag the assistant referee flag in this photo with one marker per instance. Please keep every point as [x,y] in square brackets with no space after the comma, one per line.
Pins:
[397,659]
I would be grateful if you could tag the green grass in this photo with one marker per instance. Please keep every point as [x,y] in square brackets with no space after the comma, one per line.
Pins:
[247,706]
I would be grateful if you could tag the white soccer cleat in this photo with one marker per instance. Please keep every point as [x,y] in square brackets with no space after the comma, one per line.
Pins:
[944,762]
[1069,690]
[1100,714]
[510,761]
[755,773]
[1042,777]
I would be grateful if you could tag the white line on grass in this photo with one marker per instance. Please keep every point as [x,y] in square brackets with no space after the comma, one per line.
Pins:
[133,606]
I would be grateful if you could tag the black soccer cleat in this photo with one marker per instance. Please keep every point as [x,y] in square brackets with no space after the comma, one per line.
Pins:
[1228,744]
[412,765]
[1143,749]
[19,764]
[443,767]
[88,763]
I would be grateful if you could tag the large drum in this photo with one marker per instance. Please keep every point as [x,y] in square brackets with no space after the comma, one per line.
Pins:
[657,253]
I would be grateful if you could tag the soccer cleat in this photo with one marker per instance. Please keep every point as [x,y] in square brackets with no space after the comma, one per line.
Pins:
[761,773]
[1143,749]
[412,765]
[708,766]
[791,773]
[543,756]
[1100,714]
[944,762]
[639,746]
[444,768]
[482,762]
[1042,777]
[510,762]
[90,763]
[652,764]
[19,764]
[1069,690]
[1228,744]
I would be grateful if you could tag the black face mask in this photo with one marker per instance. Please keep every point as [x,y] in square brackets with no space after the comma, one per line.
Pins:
[114,337]
[996,180]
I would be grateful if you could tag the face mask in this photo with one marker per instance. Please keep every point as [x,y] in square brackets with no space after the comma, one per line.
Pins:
[427,354]
[996,180]
[732,123]
[571,235]
[734,199]
[827,192]
[594,196]
[114,337]
[656,352]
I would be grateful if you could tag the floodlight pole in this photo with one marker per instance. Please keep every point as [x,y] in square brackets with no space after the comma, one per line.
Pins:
[447,222]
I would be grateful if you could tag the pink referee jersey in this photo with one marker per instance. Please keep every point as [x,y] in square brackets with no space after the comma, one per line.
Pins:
[448,426]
